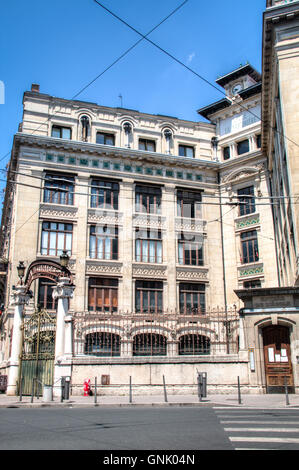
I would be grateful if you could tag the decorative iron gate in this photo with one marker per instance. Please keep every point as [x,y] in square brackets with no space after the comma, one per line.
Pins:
[38,351]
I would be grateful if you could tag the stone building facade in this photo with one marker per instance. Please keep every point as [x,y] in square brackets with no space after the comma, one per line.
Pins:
[166,224]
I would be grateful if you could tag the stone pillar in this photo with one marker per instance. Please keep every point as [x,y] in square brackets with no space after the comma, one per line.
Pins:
[68,343]
[19,298]
[170,247]
[126,240]
[63,341]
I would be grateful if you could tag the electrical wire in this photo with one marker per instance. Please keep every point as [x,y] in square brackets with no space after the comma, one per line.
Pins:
[203,194]
[186,66]
[109,67]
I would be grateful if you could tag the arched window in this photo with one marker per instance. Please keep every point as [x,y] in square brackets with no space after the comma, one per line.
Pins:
[194,345]
[149,344]
[85,123]
[102,344]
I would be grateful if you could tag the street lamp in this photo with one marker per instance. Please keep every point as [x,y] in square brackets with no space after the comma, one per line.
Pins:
[21,270]
[64,260]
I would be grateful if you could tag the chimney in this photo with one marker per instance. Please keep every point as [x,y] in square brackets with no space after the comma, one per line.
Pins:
[35,87]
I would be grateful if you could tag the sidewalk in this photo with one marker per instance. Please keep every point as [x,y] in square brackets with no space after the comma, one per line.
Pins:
[250,401]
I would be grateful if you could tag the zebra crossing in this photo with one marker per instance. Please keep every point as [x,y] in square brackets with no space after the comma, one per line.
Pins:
[260,429]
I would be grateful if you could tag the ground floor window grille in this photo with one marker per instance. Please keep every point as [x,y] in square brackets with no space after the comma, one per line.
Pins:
[102,344]
[194,345]
[149,344]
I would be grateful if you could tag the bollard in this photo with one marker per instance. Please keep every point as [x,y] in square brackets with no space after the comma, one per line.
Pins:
[165,393]
[21,389]
[239,392]
[199,384]
[62,389]
[130,396]
[286,391]
[95,390]
[32,390]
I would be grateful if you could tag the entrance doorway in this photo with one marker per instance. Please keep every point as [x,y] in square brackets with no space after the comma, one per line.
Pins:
[277,354]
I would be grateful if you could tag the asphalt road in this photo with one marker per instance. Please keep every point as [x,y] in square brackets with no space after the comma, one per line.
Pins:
[133,429]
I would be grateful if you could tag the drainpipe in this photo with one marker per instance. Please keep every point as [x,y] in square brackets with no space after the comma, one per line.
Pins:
[223,263]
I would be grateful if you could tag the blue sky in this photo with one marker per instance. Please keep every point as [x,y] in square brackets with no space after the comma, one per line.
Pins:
[64,44]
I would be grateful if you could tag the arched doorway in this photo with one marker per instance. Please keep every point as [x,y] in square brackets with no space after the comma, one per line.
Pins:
[277,355]
[39,329]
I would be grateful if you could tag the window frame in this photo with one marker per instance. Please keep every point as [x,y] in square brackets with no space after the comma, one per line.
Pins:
[110,188]
[106,135]
[193,199]
[146,143]
[109,242]
[183,150]
[50,230]
[143,290]
[246,196]
[189,246]
[144,244]
[61,129]
[144,193]
[54,196]
[249,247]
[240,143]
[99,290]
[194,290]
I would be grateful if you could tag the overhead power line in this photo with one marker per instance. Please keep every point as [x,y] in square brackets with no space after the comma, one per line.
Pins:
[184,65]
[109,67]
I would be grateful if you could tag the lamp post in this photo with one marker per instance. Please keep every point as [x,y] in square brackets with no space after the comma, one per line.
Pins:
[21,271]
[64,260]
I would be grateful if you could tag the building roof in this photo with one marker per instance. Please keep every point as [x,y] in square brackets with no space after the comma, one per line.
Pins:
[240,72]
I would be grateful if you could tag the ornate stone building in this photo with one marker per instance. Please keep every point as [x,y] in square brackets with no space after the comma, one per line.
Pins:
[165,223]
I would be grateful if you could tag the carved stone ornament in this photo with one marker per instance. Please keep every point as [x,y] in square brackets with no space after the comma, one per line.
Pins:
[240,173]
[63,289]
[19,296]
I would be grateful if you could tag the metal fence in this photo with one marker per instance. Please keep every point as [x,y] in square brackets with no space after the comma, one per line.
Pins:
[169,334]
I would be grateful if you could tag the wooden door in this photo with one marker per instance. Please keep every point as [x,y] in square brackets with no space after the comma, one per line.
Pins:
[277,354]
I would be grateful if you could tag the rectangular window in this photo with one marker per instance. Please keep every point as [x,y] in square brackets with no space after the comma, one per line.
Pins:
[253,284]
[189,204]
[148,296]
[61,132]
[226,153]
[148,145]
[105,139]
[190,249]
[103,242]
[102,295]
[148,199]
[186,151]
[148,246]
[59,189]
[246,200]
[243,146]
[259,141]
[45,291]
[56,237]
[249,247]
[192,298]
[104,194]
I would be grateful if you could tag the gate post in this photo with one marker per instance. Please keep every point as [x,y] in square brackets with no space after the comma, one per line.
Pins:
[63,292]
[18,299]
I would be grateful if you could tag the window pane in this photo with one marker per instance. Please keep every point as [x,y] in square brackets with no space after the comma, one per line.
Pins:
[55,132]
[243,146]
[66,133]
